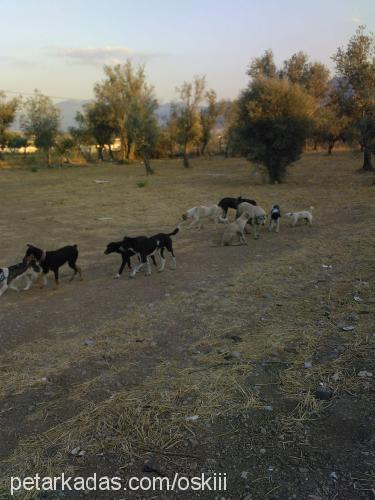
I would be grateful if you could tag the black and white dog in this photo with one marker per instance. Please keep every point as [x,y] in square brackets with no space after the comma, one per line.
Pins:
[147,247]
[52,260]
[117,247]
[227,203]
[10,275]
[275,218]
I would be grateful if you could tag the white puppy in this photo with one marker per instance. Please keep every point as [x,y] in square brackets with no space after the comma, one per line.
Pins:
[235,229]
[303,215]
[197,214]
[257,216]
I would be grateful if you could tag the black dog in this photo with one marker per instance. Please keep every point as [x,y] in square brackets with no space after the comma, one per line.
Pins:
[117,247]
[147,247]
[53,260]
[275,218]
[227,203]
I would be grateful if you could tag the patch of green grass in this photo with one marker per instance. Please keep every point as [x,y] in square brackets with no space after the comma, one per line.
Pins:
[141,183]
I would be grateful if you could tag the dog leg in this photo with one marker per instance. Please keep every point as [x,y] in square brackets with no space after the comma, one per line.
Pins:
[28,283]
[42,279]
[242,239]
[56,273]
[148,268]
[162,262]
[143,261]
[3,289]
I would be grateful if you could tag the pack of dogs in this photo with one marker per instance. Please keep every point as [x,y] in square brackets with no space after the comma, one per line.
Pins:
[37,263]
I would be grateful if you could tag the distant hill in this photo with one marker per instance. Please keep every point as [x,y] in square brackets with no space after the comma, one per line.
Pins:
[69,110]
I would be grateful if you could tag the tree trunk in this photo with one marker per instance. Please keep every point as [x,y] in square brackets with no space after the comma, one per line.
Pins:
[367,161]
[110,152]
[99,150]
[316,144]
[203,149]
[146,163]
[274,172]
[330,146]
[185,161]
[48,153]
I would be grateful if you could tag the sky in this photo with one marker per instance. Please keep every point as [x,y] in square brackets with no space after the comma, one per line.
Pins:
[60,46]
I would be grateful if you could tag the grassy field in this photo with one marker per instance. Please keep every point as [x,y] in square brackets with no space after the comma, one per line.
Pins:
[239,338]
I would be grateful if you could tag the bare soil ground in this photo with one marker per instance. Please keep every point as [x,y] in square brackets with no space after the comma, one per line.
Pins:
[240,337]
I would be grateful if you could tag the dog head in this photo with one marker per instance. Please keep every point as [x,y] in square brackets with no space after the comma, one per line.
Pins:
[288,215]
[261,220]
[114,247]
[275,212]
[33,254]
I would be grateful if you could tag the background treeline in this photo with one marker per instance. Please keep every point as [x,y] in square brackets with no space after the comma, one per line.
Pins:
[281,111]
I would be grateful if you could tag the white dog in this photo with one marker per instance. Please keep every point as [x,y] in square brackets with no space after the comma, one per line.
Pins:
[197,214]
[303,215]
[235,228]
[256,215]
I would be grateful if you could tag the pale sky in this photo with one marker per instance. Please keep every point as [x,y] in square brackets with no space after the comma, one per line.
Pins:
[59,47]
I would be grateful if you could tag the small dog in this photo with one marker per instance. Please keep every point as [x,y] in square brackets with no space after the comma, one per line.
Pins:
[235,228]
[10,275]
[53,260]
[227,203]
[147,247]
[197,214]
[303,215]
[117,247]
[256,216]
[275,216]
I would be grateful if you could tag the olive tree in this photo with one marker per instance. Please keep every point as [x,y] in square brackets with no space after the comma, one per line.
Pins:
[41,120]
[355,68]
[186,114]
[274,118]
[8,108]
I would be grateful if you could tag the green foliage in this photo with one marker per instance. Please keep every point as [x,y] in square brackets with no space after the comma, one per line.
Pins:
[208,117]
[141,184]
[274,118]
[263,66]
[95,125]
[17,141]
[186,114]
[40,120]
[64,145]
[8,110]
[142,125]
[121,88]
[355,67]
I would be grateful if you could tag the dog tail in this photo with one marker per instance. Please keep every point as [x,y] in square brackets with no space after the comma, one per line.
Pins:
[311,209]
[174,232]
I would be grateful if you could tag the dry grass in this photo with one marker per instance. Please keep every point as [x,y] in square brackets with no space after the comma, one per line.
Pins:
[271,303]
